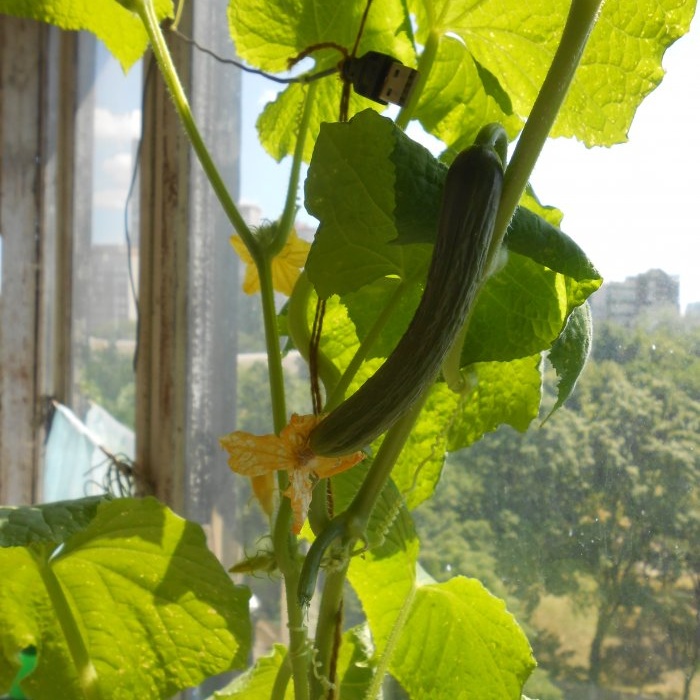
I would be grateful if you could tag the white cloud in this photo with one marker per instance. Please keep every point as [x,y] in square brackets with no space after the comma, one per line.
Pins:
[268,96]
[119,168]
[110,198]
[124,126]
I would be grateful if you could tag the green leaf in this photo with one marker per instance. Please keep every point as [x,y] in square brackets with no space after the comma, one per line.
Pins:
[387,296]
[390,527]
[384,578]
[146,594]
[257,682]
[529,301]
[403,615]
[493,88]
[481,651]
[531,235]
[420,179]
[461,94]
[268,33]
[419,466]
[277,123]
[505,392]
[530,201]
[121,30]
[356,664]
[51,523]
[515,43]
[620,67]
[570,352]
[350,189]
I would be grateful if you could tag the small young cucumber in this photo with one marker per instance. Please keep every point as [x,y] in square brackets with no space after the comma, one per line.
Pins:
[467,216]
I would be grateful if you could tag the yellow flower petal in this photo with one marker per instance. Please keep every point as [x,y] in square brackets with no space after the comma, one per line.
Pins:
[251,281]
[301,486]
[286,266]
[264,491]
[258,455]
[295,251]
[284,276]
[240,248]
[255,455]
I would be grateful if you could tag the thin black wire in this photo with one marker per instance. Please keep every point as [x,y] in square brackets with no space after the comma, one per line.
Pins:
[129,196]
[305,78]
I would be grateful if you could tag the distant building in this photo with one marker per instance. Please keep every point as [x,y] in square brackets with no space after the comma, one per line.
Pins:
[111,300]
[251,213]
[644,298]
[692,313]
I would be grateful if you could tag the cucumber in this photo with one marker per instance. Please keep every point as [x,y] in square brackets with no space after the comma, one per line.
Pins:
[470,202]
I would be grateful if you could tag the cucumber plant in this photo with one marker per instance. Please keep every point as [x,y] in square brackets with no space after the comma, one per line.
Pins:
[434,275]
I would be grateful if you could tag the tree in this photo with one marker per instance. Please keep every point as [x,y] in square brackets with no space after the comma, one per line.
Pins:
[108,379]
[617,475]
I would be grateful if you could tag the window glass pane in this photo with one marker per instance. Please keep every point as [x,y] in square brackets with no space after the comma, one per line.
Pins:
[99,421]
[107,375]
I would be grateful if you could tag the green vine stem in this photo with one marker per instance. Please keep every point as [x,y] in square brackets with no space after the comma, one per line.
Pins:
[286,551]
[362,505]
[290,206]
[279,689]
[146,11]
[284,542]
[350,526]
[272,344]
[582,17]
[330,621]
[425,65]
[86,672]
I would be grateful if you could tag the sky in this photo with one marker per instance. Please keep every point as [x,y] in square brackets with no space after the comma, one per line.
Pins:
[631,208]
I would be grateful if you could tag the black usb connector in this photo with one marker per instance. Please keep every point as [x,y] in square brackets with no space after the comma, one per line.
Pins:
[380,77]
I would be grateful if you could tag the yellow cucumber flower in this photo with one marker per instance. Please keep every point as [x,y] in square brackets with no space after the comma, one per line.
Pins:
[286,265]
[261,455]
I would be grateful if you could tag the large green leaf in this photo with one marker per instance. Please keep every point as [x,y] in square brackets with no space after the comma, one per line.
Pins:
[268,33]
[350,189]
[121,30]
[146,594]
[505,392]
[456,102]
[257,682]
[384,578]
[50,523]
[459,641]
[490,49]
[521,310]
[620,67]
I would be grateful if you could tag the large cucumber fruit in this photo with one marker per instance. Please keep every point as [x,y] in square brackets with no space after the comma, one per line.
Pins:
[469,205]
